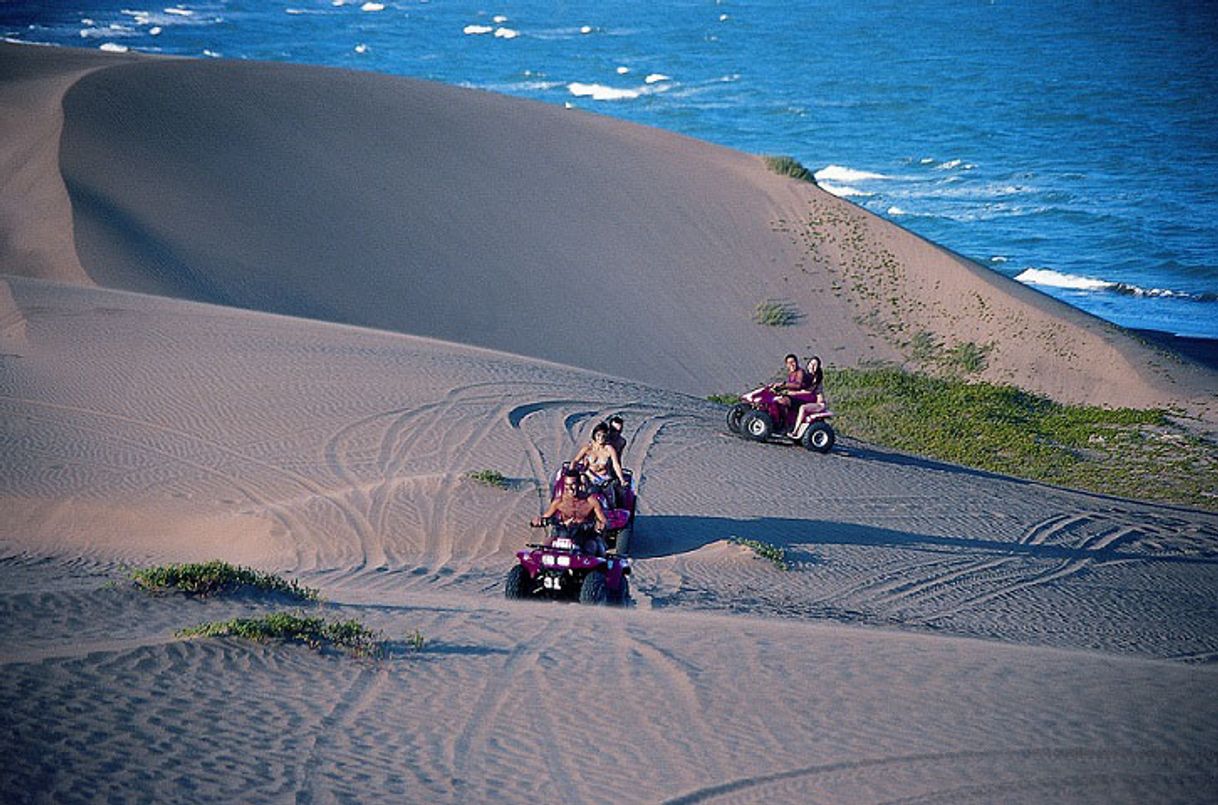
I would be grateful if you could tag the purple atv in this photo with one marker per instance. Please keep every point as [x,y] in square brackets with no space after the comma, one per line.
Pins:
[563,570]
[758,416]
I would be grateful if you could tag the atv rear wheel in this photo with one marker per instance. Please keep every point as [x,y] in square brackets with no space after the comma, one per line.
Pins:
[735,416]
[819,437]
[593,590]
[757,425]
[517,584]
[621,543]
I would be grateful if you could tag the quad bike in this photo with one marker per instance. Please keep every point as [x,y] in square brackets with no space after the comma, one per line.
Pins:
[759,416]
[563,570]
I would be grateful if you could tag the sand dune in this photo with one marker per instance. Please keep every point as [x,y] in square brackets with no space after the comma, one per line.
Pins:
[942,635]
[481,219]
[141,429]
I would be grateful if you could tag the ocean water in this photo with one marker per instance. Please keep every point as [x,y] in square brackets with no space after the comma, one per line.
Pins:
[1070,144]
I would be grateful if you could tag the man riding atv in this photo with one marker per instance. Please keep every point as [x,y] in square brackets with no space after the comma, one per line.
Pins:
[576,515]
[802,386]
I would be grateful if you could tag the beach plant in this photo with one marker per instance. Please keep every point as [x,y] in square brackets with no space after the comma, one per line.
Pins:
[967,357]
[776,313]
[491,478]
[788,166]
[209,578]
[724,399]
[925,348]
[416,640]
[1129,452]
[316,632]
[765,550]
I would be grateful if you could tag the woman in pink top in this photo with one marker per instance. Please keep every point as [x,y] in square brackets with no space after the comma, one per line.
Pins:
[802,386]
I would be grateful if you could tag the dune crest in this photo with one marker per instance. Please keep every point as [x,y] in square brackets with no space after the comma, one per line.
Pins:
[532,229]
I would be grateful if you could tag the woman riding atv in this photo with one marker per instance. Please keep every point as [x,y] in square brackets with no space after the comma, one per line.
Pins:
[803,387]
[602,464]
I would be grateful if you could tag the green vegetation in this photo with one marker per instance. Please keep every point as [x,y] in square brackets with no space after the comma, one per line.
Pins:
[965,358]
[206,578]
[350,636]
[416,640]
[1132,453]
[776,313]
[724,399]
[789,166]
[765,550]
[488,478]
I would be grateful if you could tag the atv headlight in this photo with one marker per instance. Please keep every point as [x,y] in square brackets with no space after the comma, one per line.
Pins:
[564,561]
[547,559]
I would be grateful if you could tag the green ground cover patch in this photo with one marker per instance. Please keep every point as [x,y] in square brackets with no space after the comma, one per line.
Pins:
[765,550]
[315,632]
[1133,453]
[208,578]
[492,478]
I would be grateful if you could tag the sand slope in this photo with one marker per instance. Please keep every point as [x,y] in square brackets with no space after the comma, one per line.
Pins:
[493,221]
[139,429]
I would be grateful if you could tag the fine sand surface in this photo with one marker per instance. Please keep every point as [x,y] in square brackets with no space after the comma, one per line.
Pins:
[141,430]
[943,635]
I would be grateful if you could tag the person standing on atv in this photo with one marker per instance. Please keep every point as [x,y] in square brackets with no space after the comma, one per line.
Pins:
[575,515]
[799,388]
[602,466]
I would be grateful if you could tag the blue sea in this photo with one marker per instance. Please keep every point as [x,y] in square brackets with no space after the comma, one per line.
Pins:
[1070,144]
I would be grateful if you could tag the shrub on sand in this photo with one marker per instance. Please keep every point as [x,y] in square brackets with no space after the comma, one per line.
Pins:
[765,550]
[776,313]
[789,166]
[350,636]
[488,478]
[207,578]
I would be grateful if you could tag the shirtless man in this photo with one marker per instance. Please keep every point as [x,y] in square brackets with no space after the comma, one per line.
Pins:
[573,514]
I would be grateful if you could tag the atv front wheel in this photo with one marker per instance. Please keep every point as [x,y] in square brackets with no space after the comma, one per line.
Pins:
[757,425]
[622,596]
[593,590]
[735,416]
[819,437]
[517,584]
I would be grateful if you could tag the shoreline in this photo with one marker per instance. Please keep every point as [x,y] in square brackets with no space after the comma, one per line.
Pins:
[1201,350]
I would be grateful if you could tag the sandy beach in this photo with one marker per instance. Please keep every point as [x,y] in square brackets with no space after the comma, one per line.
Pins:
[276,315]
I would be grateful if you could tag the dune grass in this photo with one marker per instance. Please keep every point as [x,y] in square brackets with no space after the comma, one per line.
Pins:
[317,633]
[788,166]
[492,478]
[764,550]
[776,313]
[209,578]
[1133,453]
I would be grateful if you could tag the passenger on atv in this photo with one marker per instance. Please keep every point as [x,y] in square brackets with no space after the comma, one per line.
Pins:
[576,515]
[802,388]
[602,464]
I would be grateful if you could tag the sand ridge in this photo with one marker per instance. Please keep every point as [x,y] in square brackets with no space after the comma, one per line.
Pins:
[531,229]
